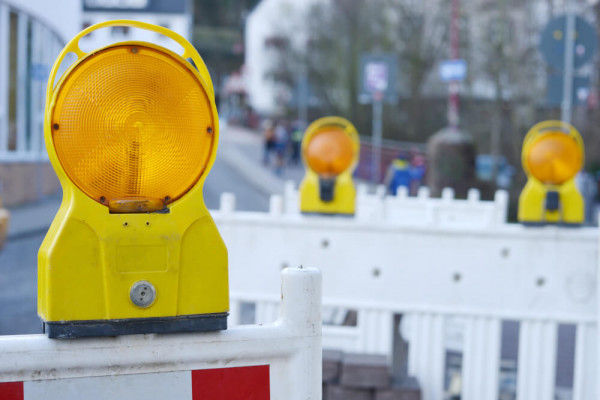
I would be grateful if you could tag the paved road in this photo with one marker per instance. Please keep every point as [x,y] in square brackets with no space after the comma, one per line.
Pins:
[224,178]
[18,286]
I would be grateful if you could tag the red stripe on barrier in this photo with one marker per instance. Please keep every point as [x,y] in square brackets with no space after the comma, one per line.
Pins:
[11,390]
[240,383]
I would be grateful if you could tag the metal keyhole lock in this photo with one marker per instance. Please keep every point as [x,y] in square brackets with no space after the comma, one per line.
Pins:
[142,294]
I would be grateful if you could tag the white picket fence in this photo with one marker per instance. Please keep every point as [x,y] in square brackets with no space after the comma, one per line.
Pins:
[436,261]
[155,366]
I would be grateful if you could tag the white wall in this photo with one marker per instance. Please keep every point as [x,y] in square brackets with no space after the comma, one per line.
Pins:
[43,27]
[63,16]
[270,18]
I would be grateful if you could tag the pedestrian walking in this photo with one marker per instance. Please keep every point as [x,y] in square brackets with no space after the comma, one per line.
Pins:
[268,141]
[281,141]
[398,174]
[295,142]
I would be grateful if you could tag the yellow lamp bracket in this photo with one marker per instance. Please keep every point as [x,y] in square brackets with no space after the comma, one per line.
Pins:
[552,155]
[330,151]
[126,253]
[73,47]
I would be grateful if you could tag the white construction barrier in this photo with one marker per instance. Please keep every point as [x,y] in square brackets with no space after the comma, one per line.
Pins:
[281,360]
[421,210]
[441,263]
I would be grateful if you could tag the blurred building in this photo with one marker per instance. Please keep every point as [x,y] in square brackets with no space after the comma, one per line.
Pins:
[32,33]
[218,36]
[499,40]
[267,29]
[175,15]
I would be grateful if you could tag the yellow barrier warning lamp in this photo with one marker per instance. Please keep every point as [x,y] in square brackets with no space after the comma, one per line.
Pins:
[131,130]
[552,155]
[330,149]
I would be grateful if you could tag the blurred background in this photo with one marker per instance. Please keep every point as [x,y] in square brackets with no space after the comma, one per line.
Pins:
[290,62]
[419,79]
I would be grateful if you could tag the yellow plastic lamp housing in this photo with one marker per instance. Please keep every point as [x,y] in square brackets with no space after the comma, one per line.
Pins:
[132,130]
[552,156]
[330,150]
[132,122]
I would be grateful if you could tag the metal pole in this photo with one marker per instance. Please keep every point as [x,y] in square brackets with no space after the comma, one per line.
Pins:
[453,108]
[303,98]
[567,105]
[496,128]
[453,100]
[376,141]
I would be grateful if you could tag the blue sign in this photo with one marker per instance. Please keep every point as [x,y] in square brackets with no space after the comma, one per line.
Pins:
[453,70]
[378,78]
[554,93]
[552,43]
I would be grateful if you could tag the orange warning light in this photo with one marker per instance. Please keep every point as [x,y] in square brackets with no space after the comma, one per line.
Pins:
[329,152]
[552,155]
[554,158]
[133,123]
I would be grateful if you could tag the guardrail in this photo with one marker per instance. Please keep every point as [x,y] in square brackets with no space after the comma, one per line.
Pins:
[457,267]
[281,360]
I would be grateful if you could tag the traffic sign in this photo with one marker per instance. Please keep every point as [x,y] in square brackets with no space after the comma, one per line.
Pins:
[554,91]
[376,76]
[453,70]
[377,80]
[552,42]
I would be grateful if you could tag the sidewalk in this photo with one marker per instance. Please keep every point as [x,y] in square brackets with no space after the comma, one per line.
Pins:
[32,219]
[242,149]
[239,147]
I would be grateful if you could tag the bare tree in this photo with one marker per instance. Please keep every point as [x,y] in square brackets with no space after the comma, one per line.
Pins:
[338,31]
[504,56]
[421,41]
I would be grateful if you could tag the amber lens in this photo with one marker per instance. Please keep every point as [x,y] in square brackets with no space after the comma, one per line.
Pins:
[132,121]
[329,152]
[554,158]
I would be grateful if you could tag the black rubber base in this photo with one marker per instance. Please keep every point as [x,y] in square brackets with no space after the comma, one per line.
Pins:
[116,327]
[324,214]
[561,224]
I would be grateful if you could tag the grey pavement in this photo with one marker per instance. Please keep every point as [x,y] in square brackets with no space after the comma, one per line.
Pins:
[239,163]
[243,149]
[18,285]
[30,219]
